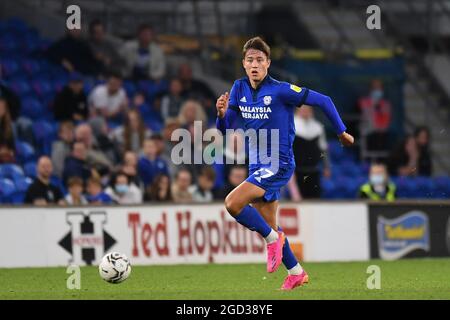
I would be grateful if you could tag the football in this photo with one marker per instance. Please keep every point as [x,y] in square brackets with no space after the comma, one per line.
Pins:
[115,267]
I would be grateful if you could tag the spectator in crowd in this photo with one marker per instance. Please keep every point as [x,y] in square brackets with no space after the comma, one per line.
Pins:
[168,144]
[75,196]
[12,100]
[144,57]
[96,159]
[131,135]
[151,164]
[95,193]
[310,146]
[70,103]
[122,191]
[74,54]
[159,190]
[130,167]
[376,118]
[202,191]
[76,165]
[41,191]
[103,46]
[7,139]
[403,160]
[169,104]
[425,165]
[379,187]
[237,175]
[197,89]
[180,187]
[61,148]
[103,142]
[109,101]
[191,110]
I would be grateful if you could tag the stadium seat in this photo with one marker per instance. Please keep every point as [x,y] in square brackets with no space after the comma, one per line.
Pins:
[130,88]
[22,183]
[11,171]
[44,135]
[7,188]
[335,150]
[30,169]
[9,67]
[328,189]
[42,88]
[31,66]
[24,152]
[32,108]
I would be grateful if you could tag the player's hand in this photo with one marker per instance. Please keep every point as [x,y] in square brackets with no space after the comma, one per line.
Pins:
[222,104]
[346,139]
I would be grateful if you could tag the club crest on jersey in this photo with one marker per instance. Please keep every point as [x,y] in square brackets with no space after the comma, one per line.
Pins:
[296,88]
[267,100]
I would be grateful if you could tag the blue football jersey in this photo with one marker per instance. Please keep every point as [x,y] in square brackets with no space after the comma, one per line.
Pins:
[270,106]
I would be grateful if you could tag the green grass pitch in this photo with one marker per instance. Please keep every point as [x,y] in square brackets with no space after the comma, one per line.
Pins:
[402,279]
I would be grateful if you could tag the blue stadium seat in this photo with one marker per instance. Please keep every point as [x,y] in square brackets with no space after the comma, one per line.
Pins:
[9,67]
[44,135]
[42,88]
[20,86]
[31,66]
[22,183]
[32,108]
[328,189]
[11,171]
[7,188]
[24,151]
[335,150]
[130,88]
[30,169]
[17,197]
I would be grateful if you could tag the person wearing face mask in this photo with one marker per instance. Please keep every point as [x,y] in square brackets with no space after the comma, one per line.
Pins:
[376,118]
[122,191]
[379,187]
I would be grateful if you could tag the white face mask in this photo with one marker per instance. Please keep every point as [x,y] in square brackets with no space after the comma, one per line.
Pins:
[377,179]
[377,94]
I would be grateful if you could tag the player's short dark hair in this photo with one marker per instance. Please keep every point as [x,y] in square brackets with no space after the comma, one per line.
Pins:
[256,43]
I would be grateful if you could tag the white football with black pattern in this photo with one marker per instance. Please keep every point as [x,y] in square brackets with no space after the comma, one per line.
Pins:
[115,267]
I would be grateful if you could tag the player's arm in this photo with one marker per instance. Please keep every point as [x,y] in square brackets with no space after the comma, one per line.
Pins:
[227,111]
[297,96]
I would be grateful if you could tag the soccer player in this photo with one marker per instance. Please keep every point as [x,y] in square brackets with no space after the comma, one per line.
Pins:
[265,103]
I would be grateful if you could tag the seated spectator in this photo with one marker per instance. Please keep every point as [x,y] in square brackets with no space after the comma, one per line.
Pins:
[7,139]
[131,136]
[122,191]
[74,54]
[151,164]
[403,160]
[76,165]
[96,159]
[103,46]
[144,57]
[41,191]
[159,190]
[180,187]
[376,117]
[75,196]
[95,193]
[379,187]
[169,104]
[236,176]
[109,101]
[129,167]
[61,148]
[12,100]
[70,103]
[197,89]
[202,191]
[310,149]
[425,165]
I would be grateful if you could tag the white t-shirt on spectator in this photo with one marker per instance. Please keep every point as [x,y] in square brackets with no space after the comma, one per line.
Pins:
[100,98]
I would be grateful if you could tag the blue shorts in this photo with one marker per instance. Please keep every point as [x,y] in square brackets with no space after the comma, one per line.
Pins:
[265,178]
